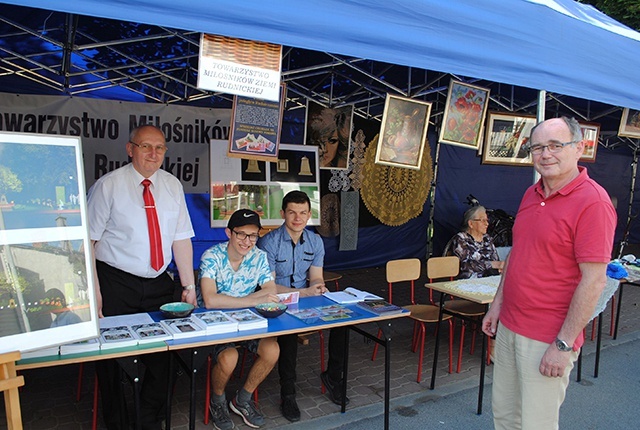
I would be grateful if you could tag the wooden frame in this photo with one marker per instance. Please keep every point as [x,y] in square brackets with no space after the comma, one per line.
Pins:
[403,132]
[46,274]
[330,130]
[464,115]
[505,139]
[630,123]
[590,135]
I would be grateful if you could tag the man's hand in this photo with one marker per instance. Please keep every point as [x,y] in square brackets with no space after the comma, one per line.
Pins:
[189,296]
[314,290]
[262,297]
[554,362]
[490,321]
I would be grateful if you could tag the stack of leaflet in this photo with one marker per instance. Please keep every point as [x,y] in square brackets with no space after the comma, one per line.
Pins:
[88,345]
[247,319]
[215,322]
[181,328]
[115,331]
[42,352]
[150,332]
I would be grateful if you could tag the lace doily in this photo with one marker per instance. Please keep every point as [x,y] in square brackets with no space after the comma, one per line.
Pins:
[329,216]
[357,161]
[394,195]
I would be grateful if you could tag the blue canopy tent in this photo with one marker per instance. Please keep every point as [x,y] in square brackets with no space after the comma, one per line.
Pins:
[560,46]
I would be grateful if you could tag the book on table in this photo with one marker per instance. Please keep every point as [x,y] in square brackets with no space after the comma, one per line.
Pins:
[215,322]
[117,337]
[247,319]
[181,328]
[42,352]
[379,307]
[88,345]
[150,332]
[350,295]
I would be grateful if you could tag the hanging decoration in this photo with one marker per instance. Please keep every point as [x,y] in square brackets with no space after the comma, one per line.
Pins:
[395,195]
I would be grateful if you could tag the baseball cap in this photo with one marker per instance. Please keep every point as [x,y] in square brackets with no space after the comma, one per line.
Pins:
[243,217]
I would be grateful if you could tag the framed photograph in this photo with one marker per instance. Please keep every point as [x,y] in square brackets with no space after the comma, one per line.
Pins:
[403,132]
[630,123]
[464,115]
[590,134]
[330,130]
[505,139]
[46,276]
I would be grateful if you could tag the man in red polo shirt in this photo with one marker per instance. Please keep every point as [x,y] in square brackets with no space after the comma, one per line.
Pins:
[554,275]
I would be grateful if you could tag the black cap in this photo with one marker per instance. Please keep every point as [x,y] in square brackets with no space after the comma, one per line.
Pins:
[243,217]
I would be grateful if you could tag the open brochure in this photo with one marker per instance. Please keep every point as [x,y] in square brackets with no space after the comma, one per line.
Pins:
[350,295]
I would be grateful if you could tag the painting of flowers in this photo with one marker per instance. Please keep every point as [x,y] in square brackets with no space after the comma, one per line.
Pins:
[464,115]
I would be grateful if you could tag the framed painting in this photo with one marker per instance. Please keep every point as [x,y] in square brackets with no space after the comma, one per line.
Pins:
[403,132]
[464,115]
[590,134]
[506,137]
[330,130]
[630,123]
[46,276]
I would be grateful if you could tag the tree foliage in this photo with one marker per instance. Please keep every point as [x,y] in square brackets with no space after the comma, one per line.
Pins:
[9,181]
[625,11]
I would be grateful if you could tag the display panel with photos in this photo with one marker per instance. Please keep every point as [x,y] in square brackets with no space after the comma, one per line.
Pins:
[259,185]
[46,279]
[507,136]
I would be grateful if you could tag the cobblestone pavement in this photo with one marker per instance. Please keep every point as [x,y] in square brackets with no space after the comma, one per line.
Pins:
[49,397]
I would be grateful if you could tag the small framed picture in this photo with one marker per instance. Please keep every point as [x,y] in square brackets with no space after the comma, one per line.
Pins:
[506,137]
[283,166]
[464,115]
[590,134]
[403,132]
[630,123]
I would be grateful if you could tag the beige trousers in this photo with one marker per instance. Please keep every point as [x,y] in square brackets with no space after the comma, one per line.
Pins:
[523,398]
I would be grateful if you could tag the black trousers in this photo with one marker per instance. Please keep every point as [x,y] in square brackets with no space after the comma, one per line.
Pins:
[289,356]
[124,293]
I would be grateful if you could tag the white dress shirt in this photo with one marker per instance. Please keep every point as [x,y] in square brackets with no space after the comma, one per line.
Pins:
[118,221]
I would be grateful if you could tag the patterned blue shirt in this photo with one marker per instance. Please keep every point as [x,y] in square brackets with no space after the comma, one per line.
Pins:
[253,271]
[291,262]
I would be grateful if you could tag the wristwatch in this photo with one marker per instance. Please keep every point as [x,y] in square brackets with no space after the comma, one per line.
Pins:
[189,287]
[563,346]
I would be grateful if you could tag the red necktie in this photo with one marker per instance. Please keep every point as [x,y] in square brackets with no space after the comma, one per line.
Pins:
[155,239]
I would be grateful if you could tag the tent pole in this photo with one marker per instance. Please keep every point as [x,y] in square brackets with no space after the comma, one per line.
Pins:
[630,217]
[432,202]
[542,106]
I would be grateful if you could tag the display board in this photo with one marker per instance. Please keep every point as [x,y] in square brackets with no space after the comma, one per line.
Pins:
[259,185]
[46,276]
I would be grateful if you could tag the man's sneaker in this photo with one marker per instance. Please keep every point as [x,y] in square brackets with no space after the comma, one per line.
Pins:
[334,389]
[247,411]
[220,416]
[289,408]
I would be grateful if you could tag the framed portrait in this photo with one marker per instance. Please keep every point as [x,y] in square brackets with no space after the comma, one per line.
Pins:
[46,276]
[403,132]
[330,130]
[464,115]
[630,123]
[590,134]
[506,137]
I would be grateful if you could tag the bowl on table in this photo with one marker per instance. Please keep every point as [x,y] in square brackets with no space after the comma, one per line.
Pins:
[271,310]
[176,309]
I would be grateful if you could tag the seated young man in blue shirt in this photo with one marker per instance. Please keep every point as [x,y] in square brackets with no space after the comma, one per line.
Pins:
[295,255]
[229,275]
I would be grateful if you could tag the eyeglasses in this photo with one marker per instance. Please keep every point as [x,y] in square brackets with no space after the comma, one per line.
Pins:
[552,147]
[481,220]
[242,236]
[146,148]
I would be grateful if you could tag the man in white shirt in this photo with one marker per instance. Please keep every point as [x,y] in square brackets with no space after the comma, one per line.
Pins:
[126,281]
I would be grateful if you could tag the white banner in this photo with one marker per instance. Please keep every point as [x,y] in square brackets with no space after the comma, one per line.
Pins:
[104,126]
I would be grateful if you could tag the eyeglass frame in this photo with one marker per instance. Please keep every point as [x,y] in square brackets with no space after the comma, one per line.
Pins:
[557,147]
[253,238]
[481,220]
[145,147]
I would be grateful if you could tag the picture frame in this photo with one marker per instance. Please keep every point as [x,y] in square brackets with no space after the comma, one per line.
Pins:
[329,129]
[505,139]
[590,135]
[46,276]
[630,123]
[464,115]
[403,132]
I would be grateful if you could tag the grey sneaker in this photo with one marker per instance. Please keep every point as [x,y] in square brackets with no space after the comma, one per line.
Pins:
[220,416]
[250,415]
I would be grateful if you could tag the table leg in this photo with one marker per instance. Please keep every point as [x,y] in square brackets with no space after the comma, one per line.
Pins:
[437,347]
[598,345]
[483,365]
[615,333]
[197,357]
[345,368]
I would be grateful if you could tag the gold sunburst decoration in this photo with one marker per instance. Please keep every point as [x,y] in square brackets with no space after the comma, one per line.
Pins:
[395,195]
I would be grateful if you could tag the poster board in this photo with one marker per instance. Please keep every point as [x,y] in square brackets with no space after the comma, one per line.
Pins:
[46,276]
[259,185]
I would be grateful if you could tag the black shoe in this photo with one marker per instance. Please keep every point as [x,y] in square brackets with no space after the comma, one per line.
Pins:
[289,408]
[334,389]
